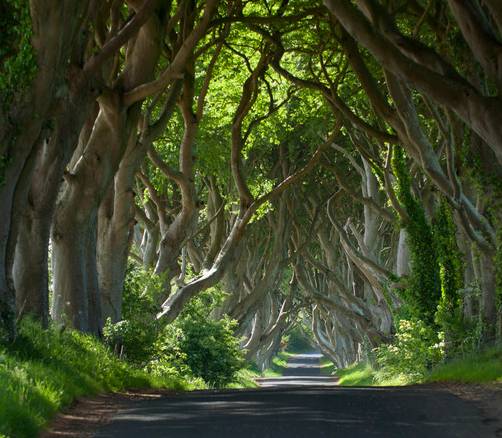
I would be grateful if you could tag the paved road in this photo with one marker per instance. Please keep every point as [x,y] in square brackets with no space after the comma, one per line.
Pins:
[302,370]
[313,411]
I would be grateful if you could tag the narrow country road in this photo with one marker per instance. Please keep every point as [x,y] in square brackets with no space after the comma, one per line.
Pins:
[303,370]
[302,404]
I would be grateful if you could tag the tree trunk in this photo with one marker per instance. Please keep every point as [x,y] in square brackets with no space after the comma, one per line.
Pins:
[88,183]
[115,233]
[403,255]
[30,270]
[76,213]
[488,298]
[31,258]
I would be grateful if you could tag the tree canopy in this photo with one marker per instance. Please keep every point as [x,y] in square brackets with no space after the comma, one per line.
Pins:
[332,162]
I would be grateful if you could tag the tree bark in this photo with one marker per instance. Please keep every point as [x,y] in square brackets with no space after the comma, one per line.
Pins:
[54,30]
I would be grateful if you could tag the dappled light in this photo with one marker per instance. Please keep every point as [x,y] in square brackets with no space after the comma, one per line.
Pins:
[292,196]
[313,411]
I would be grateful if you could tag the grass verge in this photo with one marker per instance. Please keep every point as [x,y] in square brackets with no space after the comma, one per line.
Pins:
[481,367]
[45,370]
[327,367]
[245,378]
[359,374]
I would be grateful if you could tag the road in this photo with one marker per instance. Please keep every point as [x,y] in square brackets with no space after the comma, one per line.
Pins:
[302,370]
[302,405]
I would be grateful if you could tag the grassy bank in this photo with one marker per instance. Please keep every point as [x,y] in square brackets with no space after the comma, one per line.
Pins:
[279,364]
[482,367]
[245,378]
[327,367]
[359,374]
[44,371]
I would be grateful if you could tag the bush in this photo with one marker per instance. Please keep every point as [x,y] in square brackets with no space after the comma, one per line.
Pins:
[134,337]
[416,348]
[204,347]
[194,347]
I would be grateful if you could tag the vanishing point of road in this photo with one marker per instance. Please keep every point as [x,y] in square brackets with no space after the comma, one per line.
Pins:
[301,404]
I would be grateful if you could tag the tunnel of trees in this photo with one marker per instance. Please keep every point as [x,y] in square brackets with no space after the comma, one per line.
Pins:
[333,162]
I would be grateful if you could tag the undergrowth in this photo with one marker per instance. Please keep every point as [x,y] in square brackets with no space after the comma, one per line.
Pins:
[359,374]
[327,367]
[480,367]
[45,370]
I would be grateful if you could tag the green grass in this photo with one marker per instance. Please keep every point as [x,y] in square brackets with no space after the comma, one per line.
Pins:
[482,367]
[245,378]
[279,364]
[327,367]
[358,374]
[277,367]
[363,374]
[45,370]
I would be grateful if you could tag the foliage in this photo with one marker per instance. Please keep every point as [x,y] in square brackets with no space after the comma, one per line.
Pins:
[134,336]
[358,374]
[17,57]
[297,340]
[449,315]
[202,346]
[498,279]
[415,349]
[478,367]
[194,347]
[45,370]
[212,350]
[424,289]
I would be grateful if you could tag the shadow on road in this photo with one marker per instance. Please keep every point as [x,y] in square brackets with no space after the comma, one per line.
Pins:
[301,413]
[302,370]
[302,404]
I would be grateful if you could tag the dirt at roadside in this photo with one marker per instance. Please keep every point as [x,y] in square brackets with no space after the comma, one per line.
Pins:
[488,397]
[86,415]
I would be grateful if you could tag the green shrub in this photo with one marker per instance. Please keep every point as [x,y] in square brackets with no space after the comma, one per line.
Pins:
[211,349]
[194,347]
[449,316]
[17,57]
[204,347]
[416,348]
[134,336]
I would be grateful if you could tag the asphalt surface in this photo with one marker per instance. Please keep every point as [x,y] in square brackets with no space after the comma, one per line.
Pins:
[302,405]
[302,370]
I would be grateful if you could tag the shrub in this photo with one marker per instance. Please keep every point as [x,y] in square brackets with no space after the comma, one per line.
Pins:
[205,347]
[423,291]
[134,336]
[194,347]
[415,349]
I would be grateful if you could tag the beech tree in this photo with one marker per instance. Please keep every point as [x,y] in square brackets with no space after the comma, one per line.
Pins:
[334,162]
